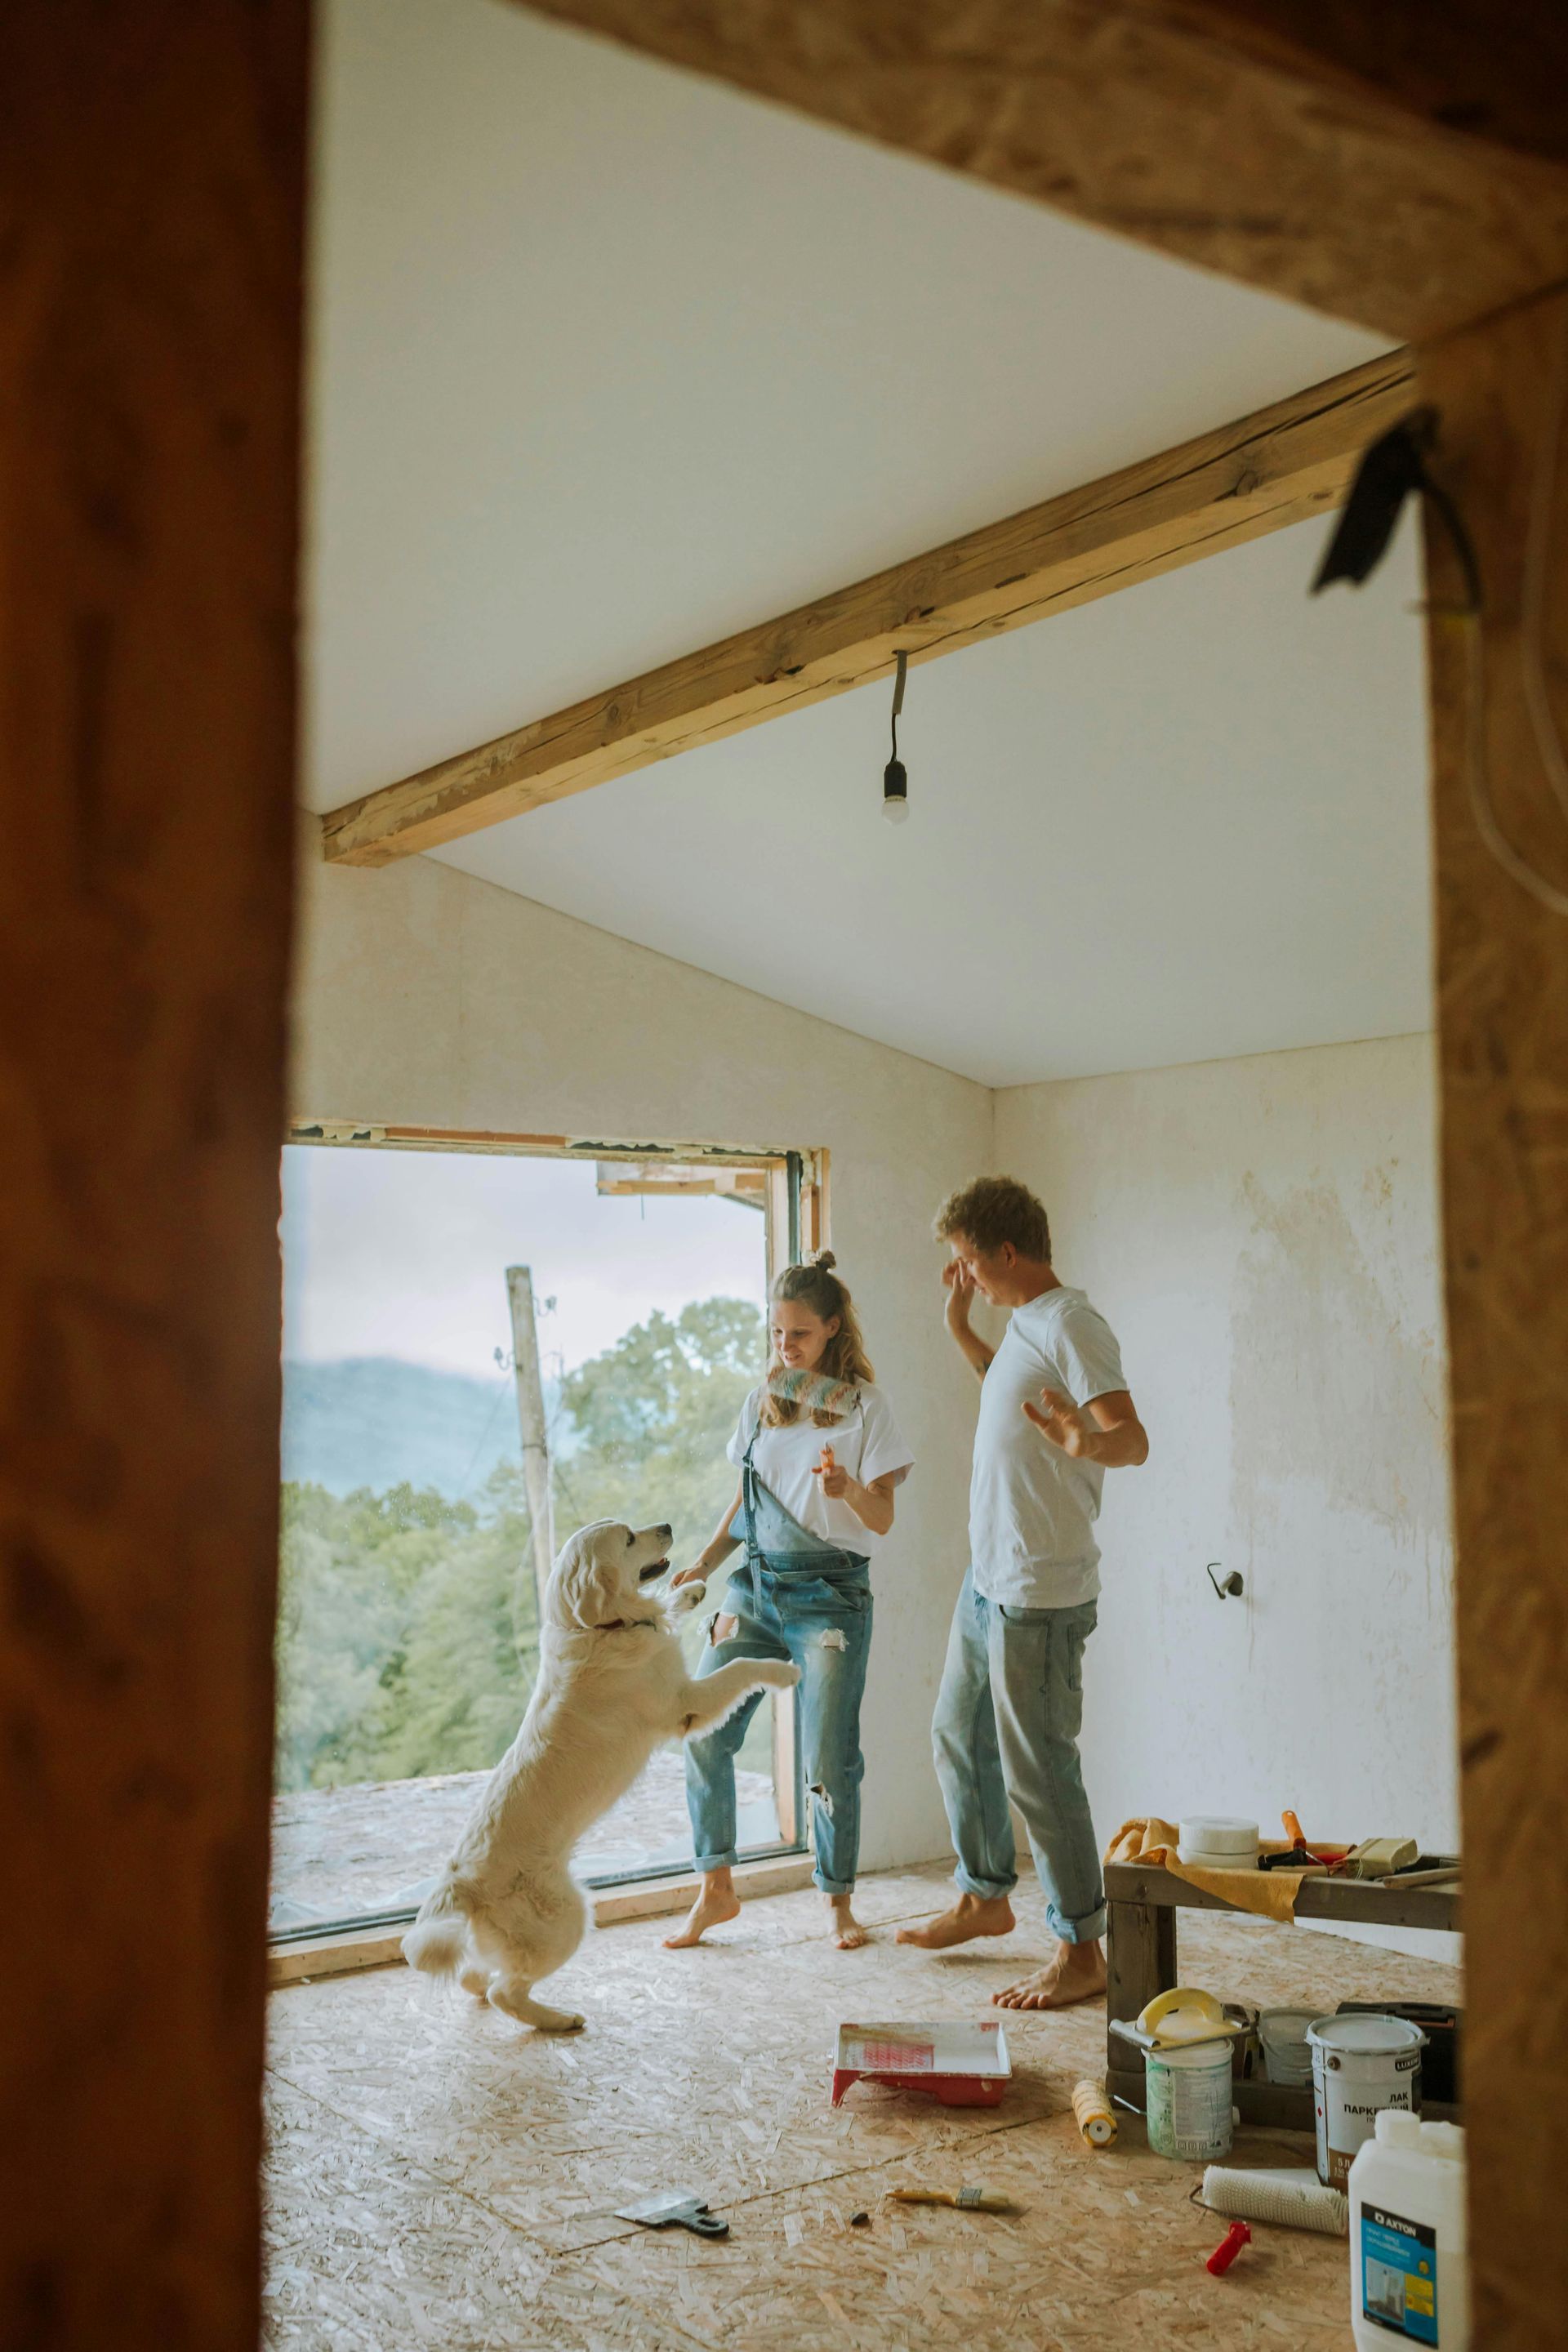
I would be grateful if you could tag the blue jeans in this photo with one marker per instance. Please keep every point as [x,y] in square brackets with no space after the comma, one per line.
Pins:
[1007,1719]
[817,1611]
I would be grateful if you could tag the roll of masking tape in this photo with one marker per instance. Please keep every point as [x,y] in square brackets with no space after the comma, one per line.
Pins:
[1214,1833]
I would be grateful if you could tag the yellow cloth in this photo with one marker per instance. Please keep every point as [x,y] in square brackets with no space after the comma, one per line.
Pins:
[1148,1841]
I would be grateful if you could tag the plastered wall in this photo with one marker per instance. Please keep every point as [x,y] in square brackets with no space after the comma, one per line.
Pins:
[1262,1235]
[426,998]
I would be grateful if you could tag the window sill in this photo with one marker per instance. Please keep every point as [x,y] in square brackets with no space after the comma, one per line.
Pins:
[650,1899]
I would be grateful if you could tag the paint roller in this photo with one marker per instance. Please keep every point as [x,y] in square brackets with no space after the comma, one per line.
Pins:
[1095,2119]
[1292,2200]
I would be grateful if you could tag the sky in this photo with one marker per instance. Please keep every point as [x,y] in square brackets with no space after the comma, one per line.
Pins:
[405,1254]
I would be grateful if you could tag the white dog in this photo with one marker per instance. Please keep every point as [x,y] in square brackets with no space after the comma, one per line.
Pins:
[612,1684]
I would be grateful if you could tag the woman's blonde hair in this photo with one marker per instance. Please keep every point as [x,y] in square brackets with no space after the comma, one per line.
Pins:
[814,1285]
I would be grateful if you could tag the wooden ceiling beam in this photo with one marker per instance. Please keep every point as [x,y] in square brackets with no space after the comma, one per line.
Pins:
[1495,74]
[1276,468]
[1398,164]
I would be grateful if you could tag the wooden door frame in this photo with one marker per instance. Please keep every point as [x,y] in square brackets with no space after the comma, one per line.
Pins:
[150,347]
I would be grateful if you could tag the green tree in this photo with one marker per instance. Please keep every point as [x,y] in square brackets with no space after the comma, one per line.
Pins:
[653,1415]
[407,1634]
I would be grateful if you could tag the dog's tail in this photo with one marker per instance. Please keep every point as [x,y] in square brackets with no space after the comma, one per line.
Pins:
[439,1937]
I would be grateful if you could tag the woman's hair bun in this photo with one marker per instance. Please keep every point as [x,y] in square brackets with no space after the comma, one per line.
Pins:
[824,1260]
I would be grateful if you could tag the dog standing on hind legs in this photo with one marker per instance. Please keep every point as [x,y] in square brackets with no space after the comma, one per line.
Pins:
[611,1684]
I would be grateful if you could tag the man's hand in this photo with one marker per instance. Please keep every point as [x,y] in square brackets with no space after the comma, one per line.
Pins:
[1063,1423]
[959,1285]
[1109,1432]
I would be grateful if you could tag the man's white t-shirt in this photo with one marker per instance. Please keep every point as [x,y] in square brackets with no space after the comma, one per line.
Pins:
[867,1443]
[1032,1507]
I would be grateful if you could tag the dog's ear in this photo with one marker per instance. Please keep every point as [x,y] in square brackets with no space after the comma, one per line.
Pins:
[586,1588]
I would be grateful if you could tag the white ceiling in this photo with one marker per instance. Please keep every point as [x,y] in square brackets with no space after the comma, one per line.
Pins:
[609,363]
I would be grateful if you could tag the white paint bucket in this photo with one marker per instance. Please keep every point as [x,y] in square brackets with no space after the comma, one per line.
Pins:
[1287,2053]
[1187,2100]
[1361,2064]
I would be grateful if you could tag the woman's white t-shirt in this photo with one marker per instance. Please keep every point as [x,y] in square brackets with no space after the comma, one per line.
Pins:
[866,1443]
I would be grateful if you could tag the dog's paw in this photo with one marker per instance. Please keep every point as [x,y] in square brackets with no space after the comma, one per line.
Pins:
[686,1598]
[777,1675]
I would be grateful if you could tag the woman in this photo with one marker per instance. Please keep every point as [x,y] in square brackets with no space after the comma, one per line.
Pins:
[819,1456]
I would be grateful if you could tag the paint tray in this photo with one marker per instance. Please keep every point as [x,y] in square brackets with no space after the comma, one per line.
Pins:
[961,2064]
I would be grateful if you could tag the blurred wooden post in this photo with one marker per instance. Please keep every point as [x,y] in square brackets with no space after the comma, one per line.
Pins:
[151,191]
[1502,970]
[530,1425]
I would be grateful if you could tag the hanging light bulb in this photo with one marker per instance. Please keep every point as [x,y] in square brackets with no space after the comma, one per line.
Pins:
[895,778]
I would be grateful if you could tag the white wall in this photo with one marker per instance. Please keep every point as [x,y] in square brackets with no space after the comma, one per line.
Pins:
[1262,1235]
[426,998]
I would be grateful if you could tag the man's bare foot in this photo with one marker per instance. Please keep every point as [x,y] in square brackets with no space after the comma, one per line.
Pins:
[717,1903]
[970,1915]
[847,1932]
[1076,1972]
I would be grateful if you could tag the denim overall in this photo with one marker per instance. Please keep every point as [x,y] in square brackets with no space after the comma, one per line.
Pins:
[799,1598]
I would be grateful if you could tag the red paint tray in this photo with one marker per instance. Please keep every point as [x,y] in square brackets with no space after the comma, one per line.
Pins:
[963,2066]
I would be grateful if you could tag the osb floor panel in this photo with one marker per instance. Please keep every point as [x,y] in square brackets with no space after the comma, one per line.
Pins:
[441,2176]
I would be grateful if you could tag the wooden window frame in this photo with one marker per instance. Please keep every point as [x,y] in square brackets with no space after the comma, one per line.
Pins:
[794,1205]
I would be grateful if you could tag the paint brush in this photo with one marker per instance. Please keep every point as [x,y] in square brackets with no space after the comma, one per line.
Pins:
[972,2200]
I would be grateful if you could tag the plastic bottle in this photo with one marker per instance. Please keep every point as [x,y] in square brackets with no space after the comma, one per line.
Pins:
[1409,2273]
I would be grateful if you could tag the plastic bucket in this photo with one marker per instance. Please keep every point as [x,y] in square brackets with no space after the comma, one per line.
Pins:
[1187,2101]
[1361,2064]
[1287,2053]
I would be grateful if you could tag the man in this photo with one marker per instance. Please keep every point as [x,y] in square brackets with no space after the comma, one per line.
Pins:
[1055,1415]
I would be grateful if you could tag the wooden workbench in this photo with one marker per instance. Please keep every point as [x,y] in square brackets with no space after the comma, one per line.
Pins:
[1141,1904]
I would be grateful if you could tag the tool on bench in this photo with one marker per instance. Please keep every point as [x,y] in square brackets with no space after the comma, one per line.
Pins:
[1300,1856]
[681,2207]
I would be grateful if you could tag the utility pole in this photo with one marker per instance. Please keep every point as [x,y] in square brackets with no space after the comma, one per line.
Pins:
[531,1425]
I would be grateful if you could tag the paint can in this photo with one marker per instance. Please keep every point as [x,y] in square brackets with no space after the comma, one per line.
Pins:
[1287,2053]
[1188,2098]
[1362,2065]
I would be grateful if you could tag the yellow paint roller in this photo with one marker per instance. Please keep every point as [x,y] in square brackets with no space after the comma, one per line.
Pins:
[1092,2109]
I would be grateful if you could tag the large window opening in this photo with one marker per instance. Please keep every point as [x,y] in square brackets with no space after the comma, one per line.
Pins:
[488,1342]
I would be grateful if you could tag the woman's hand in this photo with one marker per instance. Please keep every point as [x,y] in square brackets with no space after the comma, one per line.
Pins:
[872,1504]
[835,1481]
[698,1573]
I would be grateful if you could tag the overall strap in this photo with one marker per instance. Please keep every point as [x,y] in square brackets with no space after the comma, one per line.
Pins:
[749,1483]
[761,1510]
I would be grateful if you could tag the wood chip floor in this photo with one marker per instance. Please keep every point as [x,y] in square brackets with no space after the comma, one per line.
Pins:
[440,2177]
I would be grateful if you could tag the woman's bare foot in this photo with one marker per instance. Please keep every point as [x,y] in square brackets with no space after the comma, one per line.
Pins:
[717,1903]
[970,1915]
[847,1932]
[1076,1972]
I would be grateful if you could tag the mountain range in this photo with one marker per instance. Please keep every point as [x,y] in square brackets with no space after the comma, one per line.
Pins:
[375,1420]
